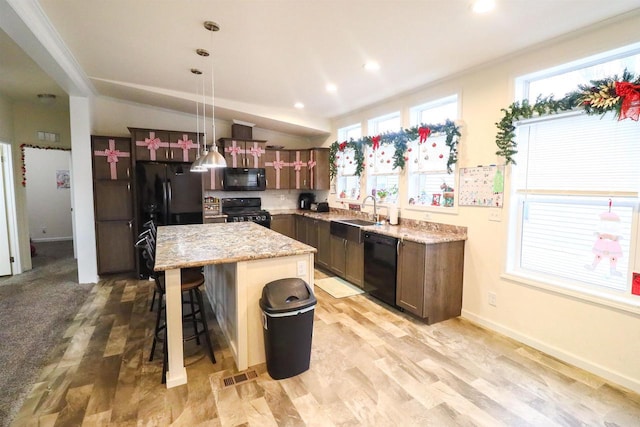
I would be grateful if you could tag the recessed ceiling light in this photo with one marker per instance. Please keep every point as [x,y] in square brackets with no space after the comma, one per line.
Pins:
[483,6]
[371,66]
[299,105]
[331,87]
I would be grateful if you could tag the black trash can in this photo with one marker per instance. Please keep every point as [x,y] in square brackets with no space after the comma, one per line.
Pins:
[287,316]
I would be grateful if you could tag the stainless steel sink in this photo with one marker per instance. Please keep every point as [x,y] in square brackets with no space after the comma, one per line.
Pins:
[349,229]
[356,222]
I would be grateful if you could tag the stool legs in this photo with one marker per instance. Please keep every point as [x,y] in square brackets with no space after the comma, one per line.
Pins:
[207,338]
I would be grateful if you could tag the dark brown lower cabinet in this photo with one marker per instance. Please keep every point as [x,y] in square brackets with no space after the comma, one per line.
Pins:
[347,259]
[115,246]
[284,224]
[429,281]
[323,257]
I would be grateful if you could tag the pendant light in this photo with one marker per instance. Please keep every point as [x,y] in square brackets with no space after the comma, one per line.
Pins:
[213,159]
[196,166]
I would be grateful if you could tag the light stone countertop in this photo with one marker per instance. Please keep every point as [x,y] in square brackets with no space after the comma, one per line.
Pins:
[182,246]
[416,231]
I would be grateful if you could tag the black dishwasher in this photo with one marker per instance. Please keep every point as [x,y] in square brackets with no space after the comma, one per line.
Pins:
[380,260]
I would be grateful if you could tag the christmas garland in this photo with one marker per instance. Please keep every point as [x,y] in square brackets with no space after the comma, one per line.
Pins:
[400,140]
[23,166]
[620,95]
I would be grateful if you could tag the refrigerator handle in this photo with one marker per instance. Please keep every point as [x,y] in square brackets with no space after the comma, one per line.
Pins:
[169,197]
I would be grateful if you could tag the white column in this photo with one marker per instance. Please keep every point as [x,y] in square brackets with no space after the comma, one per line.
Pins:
[82,188]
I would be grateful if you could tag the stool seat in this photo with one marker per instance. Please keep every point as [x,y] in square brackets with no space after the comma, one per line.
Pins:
[189,279]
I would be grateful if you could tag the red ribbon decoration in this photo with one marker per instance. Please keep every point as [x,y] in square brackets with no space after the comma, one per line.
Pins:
[342,146]
[630,94]
[376,142]
[424,134]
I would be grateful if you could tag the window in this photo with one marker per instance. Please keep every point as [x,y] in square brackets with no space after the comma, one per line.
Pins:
[382,177]
[347,182]
[575,194]
[429,184]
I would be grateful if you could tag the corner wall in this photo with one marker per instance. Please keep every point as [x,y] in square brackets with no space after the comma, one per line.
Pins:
[603,340]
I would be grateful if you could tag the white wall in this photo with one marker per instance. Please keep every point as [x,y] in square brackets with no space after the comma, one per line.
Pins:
[49,207]
[601,339]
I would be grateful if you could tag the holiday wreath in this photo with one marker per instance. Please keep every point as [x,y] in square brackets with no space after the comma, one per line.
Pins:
[399,140]
[612,94]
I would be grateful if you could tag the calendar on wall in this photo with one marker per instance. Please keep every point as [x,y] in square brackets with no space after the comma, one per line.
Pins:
[481,186]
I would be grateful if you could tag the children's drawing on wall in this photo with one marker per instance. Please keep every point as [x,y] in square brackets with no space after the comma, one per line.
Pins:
[607,244]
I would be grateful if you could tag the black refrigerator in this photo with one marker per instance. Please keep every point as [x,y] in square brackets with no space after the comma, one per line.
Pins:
[168,193]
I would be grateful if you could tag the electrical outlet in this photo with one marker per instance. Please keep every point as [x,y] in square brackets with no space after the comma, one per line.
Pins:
[495,215]
[427,215]
[492,298]
[282,197]
[44,230]
[302,268]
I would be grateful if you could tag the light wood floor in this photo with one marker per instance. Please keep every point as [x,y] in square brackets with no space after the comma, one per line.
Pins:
[370,366]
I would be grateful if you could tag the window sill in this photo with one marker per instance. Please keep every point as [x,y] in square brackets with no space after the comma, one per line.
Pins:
[435,209]
[592,296]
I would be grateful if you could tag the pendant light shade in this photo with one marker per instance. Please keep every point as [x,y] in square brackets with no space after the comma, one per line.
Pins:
[213,159]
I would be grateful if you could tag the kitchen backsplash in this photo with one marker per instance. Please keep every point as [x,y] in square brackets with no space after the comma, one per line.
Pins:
[272,199]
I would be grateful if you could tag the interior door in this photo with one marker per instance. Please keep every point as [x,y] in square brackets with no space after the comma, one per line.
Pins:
[5,253]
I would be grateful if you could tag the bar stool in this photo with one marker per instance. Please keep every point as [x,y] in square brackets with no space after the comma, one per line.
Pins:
[190,282]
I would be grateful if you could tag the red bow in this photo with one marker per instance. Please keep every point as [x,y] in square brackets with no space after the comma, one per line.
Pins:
[376,142]
[424,134]
[342,146]
[630,94]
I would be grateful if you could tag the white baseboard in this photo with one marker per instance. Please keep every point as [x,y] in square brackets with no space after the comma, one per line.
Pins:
[556,352]
[52,239]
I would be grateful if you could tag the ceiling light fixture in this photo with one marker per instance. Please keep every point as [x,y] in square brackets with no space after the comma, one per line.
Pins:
[196,166]
[299,105]
[483,6]
[331,87]
[371,66]
[46,98]
[212,158]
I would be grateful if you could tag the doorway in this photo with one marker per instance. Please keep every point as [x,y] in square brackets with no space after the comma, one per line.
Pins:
[8,226]
[48,197]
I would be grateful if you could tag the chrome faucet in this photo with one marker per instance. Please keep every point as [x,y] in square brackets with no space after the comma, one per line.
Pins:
[375,207]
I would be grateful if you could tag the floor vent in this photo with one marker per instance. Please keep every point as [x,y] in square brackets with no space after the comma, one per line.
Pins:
[242,377]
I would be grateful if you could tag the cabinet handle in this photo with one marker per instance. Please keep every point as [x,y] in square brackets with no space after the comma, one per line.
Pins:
[345,244]
[398,247]
[128,175]
[130,224]
[171,154]
[129,187]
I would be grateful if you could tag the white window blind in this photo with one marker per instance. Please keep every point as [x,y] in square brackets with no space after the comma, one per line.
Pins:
[577,182]
[580,154]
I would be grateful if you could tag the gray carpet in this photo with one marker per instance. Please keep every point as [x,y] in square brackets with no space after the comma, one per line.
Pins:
[36,308]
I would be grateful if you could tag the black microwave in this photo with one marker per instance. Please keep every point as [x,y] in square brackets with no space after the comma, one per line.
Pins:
[244,179]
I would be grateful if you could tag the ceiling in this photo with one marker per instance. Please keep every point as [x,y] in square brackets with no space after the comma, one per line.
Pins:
[270,54]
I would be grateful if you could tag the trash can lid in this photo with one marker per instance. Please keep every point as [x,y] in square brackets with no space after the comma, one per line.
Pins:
[284,295]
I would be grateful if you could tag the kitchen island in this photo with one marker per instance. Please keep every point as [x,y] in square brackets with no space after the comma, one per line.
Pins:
[238,260]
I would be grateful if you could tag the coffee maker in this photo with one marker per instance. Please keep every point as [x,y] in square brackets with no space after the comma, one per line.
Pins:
[305,200]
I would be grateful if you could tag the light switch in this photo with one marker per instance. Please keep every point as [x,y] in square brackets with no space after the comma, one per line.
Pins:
[302,268]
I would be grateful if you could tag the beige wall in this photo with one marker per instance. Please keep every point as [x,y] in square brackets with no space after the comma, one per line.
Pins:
[601,339]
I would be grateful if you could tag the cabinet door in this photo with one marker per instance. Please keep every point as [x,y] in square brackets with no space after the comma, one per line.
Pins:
[233,151]
[114,240]
[299,171]
[212,179]
[284,224]
[338,255]
[411,277]
[323,257]
[111,158]
[443,281]
[354,268]
[254,154]
[301,229]
[183,147]
[319,169]
[113,200]
[311,226]
[276,164]
[151,145]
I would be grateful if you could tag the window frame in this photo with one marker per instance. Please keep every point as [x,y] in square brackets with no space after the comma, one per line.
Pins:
[512,269]
[343,135]
[415,113]
[373,130]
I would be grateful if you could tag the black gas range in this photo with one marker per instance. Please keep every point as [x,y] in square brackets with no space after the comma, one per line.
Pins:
[245,209]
